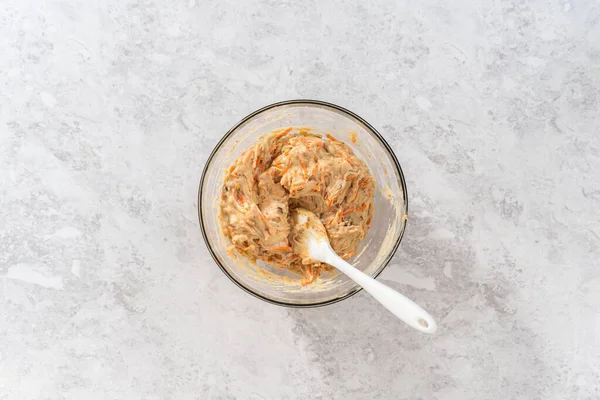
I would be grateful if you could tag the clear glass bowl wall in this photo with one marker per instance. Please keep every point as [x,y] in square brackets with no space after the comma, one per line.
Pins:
[277,285]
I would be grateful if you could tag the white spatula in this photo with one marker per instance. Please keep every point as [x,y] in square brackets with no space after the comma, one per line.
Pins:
[310,242]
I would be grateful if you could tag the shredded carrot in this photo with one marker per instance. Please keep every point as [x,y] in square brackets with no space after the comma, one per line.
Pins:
[282,134]
[329,200]
[303,165]
[304,142]
[348,211]
[256,158]
[262,216]
[240,197]
[280,248]
[348,159]
[331,138]
[237,194]
[351,210]
[353,136]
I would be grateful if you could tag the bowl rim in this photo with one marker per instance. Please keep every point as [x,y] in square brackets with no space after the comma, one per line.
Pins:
[309,102]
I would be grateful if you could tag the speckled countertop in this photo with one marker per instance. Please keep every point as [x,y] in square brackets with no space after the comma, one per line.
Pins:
[109,109]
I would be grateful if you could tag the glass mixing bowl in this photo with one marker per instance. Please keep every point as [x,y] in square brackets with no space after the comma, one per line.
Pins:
[277,285]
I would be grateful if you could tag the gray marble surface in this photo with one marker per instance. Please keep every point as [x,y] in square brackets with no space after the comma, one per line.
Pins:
[108,110]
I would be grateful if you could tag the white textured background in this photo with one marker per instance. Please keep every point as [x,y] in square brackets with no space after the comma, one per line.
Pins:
[108,110]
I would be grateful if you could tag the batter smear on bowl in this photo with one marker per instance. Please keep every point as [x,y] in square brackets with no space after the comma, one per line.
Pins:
[290,168]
